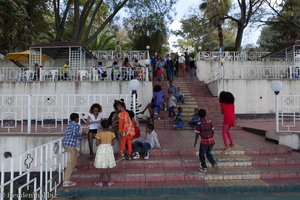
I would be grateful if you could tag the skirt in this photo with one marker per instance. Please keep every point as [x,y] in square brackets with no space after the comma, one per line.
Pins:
[105,157]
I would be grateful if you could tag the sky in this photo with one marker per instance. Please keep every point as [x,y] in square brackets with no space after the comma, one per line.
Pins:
[183,7]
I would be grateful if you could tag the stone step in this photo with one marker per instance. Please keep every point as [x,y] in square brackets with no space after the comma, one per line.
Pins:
[128,175]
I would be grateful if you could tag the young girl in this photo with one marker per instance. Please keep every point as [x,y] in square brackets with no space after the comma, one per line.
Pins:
[226,100]
[105,159]
[126,129]
[135,126]
[93,120]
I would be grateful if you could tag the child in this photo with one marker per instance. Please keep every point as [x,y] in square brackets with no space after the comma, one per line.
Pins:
[115,71]
[205,130]
[159,75]
[93,120]
[195,118]
[135,126]
[150,141]
[180,96]
[178,122]
[70,142]
[171,104]
[126,129]
[105,159]
[226,100]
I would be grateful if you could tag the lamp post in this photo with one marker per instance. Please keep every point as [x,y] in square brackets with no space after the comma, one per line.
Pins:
[148,53]
[147,64]
[134,85]
[276,86]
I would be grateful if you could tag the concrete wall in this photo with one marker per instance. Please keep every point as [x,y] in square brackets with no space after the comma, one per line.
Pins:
[80,88]
[253,96]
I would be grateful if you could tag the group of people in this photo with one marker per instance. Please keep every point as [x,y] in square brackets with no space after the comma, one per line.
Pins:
[168,102]
[205,130]
[120,128]
[173,65]
[127,71]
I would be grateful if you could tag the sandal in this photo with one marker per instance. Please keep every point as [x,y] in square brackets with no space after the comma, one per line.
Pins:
[98,184]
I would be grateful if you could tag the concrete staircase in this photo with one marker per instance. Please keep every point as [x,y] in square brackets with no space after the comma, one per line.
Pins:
[197,95]
[253,163]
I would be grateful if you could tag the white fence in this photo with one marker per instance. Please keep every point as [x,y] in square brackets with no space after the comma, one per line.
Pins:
[289,113]
[34,174]
[112,55]
[227,71]
[8,74]
[231,56]
[49,113]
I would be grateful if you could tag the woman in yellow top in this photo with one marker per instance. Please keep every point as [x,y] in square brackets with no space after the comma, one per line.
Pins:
[105,159]
[126,129]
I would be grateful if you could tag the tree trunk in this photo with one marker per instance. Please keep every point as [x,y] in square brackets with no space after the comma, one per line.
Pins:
[220,35]
[239,37]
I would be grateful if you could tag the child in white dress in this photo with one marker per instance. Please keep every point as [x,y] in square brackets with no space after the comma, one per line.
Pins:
[105,159]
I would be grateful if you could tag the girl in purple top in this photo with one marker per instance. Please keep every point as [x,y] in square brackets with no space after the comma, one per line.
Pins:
[157,100]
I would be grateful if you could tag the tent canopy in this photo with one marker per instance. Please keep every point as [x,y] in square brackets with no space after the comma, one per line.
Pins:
[22,56]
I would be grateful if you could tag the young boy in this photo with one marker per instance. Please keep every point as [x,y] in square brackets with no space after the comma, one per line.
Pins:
[159,75]
[195,118]
[171,104]
[205,130]
[149,141]
[178,122]
[71,140]
[180,96]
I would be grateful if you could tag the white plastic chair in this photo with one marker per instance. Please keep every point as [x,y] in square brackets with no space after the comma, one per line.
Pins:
[54,74]
[82,74]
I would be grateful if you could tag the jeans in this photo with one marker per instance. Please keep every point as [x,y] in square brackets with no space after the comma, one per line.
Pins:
[145,145]
[171,75]
[91,136]
[171,111]
[206,149]
[156,105]
[192,73]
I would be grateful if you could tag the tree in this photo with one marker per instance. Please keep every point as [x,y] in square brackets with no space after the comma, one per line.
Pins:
[249,11]
[83,15]
[283,26]
[147,24]
[215,11]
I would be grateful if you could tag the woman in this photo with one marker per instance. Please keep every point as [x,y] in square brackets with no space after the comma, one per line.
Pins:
[126,69]
[93,120]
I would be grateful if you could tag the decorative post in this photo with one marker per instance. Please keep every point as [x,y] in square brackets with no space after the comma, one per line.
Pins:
[134,86]
[276,86]
[148,53]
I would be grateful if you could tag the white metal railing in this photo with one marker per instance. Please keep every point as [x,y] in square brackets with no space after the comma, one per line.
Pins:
[216,74]
[34,174]
[231,55]
[288,113]
[49,113]
[8,74]
[112,55]
[261,71]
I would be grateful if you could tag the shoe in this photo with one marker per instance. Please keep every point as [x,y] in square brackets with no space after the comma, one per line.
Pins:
[147,155]
[203,170]
[109,184]
[215,167]
[136,156]
[129,157]
[121,156]
[69,184]
[74,170]
[98,184]
[231,145]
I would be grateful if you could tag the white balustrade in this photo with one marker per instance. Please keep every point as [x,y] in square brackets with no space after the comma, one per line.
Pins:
[34,174]
[49,113]
[231,55]
[8,74]
[289,113]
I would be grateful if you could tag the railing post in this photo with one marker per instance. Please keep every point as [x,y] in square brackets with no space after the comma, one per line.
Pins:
[147,73]
[277,112]
[29,114]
